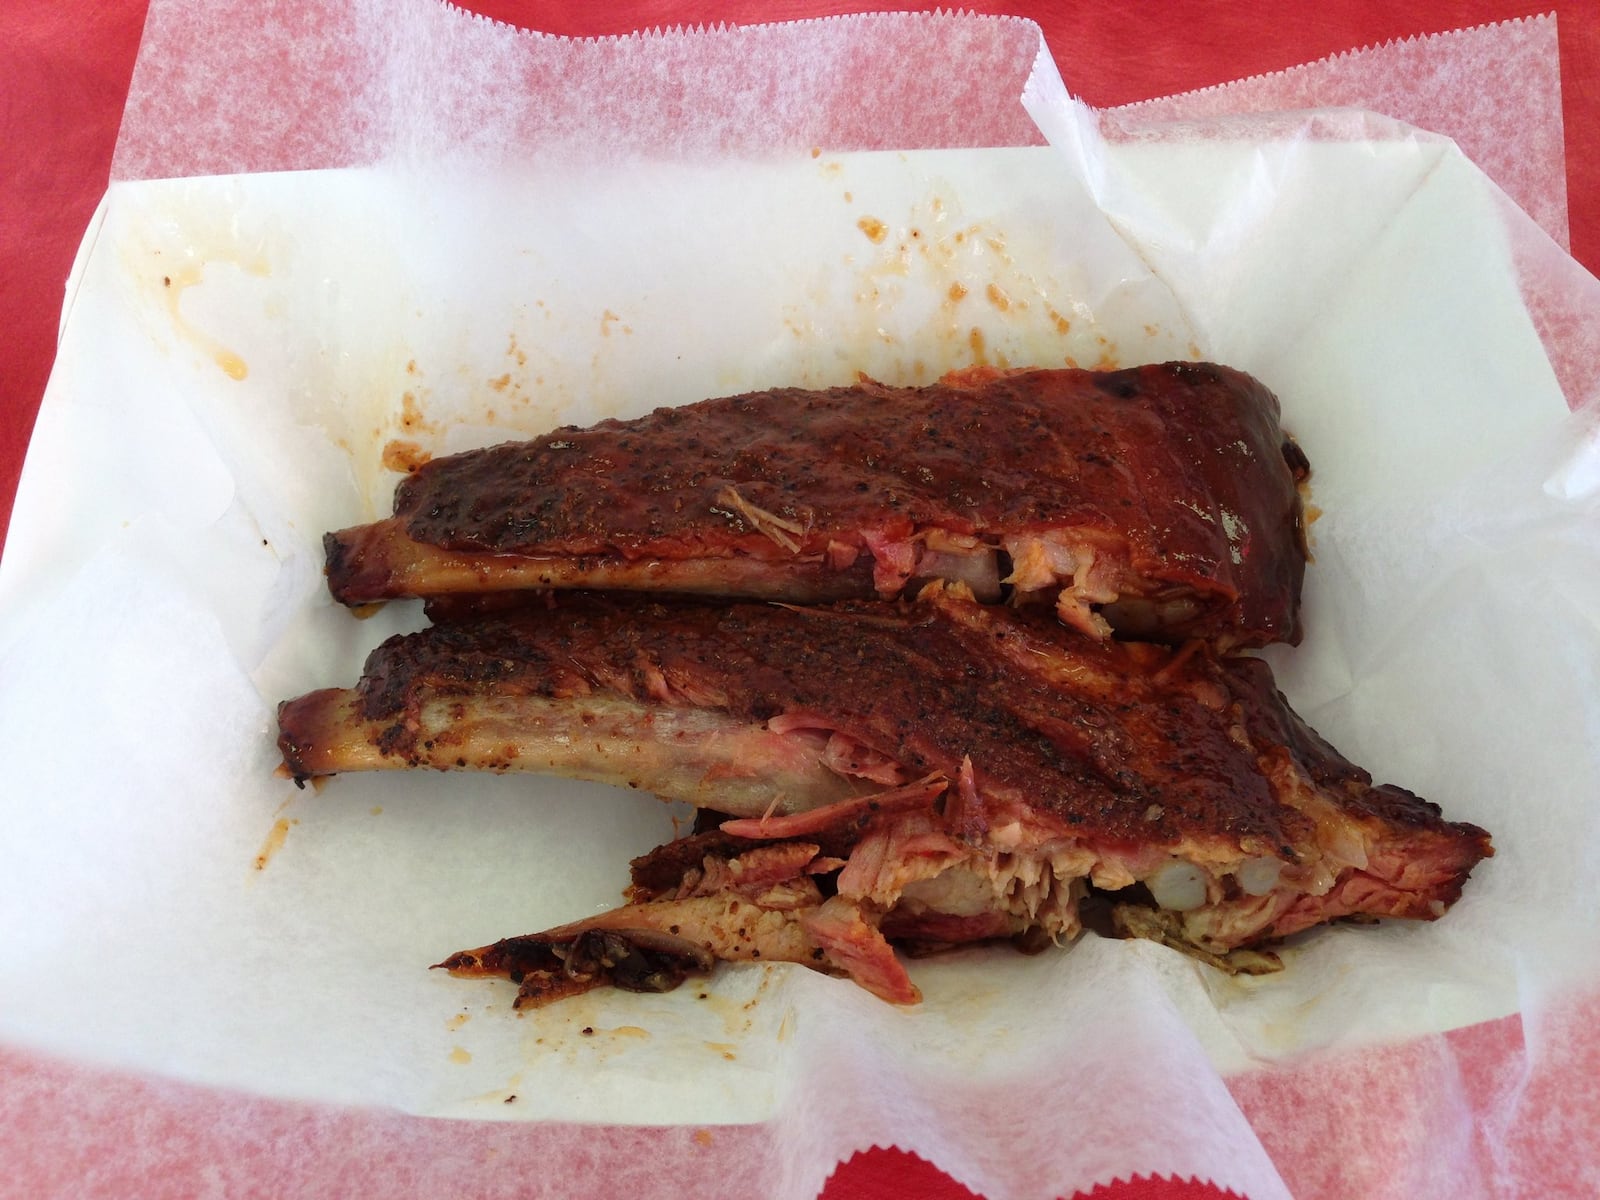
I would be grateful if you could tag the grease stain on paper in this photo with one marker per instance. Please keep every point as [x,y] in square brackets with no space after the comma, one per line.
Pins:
[911,295]
[181,279]
[506,1093]
[415,425]
[874,229]
[193,257]
[404,456]
[274,842]
[594,1028]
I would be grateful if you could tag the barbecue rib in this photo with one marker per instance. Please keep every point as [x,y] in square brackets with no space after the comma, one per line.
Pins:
[1160,500]
[927,772]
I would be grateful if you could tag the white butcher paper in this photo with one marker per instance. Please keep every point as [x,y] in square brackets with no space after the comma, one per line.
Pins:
[238,352]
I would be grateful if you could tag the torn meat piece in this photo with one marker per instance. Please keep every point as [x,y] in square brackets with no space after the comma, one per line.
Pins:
[651,945]
[1026,767]
[1161,500]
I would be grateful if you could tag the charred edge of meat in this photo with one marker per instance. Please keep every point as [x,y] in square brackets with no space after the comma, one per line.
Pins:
[1295,458]
[659,871]
[634,960]
[461,607]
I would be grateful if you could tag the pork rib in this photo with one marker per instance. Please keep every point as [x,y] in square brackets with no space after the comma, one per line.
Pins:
[951,772]
[1161,500]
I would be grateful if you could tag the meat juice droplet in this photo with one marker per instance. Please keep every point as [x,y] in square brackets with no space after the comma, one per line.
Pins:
[274,842]
[411,418]
[404,456]
[875,229]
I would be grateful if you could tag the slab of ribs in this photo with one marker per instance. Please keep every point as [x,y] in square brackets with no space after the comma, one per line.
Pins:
[937,666]
[1160,501]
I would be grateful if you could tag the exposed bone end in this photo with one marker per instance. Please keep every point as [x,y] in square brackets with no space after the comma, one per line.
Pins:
[323,732]
[1179,886]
